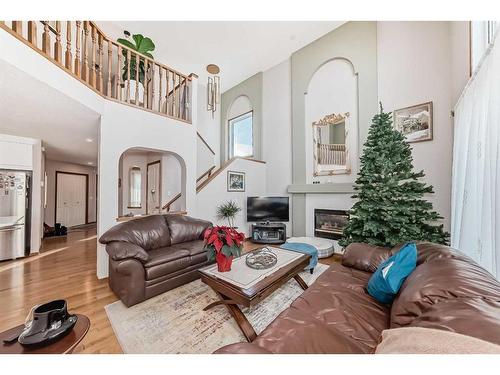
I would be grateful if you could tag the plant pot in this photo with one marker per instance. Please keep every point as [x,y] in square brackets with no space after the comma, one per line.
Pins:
[223,262]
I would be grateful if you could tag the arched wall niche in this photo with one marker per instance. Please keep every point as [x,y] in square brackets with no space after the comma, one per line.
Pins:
[332,89]
[167,172]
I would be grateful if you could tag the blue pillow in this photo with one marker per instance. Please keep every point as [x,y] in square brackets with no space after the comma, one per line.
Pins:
[390,274]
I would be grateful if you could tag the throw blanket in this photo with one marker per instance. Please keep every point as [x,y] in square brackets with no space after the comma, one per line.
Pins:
[418,340]
[305,249]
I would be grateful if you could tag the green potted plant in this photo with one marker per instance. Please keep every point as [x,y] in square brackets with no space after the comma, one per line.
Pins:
[144,46]
[228,211]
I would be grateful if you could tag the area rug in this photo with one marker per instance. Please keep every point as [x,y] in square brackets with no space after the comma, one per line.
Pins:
[174,322]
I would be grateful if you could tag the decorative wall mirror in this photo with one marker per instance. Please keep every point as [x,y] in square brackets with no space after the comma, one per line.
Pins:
[135,187]
[330,145]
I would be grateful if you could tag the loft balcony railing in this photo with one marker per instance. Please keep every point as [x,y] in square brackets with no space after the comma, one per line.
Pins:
[107,67]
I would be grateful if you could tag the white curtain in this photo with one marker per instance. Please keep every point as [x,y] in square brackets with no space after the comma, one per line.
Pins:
[475,227]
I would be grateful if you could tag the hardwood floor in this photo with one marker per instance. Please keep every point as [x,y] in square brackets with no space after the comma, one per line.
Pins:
[65,269]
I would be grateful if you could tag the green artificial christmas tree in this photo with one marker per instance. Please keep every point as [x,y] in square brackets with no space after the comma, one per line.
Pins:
[390,206]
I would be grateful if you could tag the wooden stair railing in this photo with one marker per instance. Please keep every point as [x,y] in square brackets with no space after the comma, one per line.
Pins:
[110,69]
[169,204]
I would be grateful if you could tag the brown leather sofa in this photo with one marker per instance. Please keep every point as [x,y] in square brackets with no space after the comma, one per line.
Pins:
[150,255]
[446,291]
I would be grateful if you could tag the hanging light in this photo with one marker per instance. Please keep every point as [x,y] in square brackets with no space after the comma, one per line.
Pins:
[213,88]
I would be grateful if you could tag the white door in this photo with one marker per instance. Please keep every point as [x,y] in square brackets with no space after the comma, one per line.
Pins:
[71,199]
[154,188]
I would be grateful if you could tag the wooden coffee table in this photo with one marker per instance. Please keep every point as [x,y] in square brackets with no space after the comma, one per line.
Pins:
[232,295]
[65,345]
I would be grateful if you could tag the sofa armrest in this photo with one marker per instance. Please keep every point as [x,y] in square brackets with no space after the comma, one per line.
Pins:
[365,257]
[119,250]
[242,348]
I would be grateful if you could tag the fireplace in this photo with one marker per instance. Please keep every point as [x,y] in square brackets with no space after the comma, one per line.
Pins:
[330,223]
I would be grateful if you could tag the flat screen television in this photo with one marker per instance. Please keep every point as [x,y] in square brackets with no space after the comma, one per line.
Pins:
[267,209]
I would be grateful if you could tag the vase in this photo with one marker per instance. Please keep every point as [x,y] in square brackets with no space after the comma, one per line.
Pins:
[223,262]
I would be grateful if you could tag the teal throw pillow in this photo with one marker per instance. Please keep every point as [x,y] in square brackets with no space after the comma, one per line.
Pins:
[390,274]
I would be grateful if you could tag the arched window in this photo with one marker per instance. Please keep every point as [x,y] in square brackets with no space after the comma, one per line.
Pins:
[240,128]
[135,187]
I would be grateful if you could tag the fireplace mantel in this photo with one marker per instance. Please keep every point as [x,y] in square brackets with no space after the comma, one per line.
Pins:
[339,188]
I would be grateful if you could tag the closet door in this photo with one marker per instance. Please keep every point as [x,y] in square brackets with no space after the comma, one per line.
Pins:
[71,199]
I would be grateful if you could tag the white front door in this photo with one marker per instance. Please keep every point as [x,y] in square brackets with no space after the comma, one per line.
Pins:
[71,199]
[154,188]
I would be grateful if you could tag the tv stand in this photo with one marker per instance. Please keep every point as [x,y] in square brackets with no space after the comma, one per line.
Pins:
[269,233]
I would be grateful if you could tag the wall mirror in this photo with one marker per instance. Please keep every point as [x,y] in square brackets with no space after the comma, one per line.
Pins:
[330,145]
[135,187]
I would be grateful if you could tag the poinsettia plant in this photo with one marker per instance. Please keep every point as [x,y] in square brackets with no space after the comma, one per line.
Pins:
[223,240]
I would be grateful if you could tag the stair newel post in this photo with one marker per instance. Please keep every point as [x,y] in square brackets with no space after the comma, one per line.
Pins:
[119,74]
[68,59]
[137,81]
[128,75]
[93,60]
[85,67]
[77,67]
[57,44]
[100,62]
[160,73]
[46,38]
[32,33]
[110,61]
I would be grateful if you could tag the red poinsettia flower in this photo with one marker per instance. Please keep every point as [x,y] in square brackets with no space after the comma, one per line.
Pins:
[220,236]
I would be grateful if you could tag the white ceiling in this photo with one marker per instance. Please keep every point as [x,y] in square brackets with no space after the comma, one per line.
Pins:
[37,110]
[241,49]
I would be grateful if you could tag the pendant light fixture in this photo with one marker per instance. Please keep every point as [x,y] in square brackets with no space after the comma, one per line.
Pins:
[213,88]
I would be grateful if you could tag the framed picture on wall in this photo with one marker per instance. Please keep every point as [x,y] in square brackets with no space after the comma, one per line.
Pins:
[235,181]
[414,122]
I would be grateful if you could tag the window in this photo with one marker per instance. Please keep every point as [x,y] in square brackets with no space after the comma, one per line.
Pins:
[135,187]
[482,34]
[240,135]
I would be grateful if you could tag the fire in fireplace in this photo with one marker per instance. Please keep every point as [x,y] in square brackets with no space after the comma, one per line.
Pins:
[330,223]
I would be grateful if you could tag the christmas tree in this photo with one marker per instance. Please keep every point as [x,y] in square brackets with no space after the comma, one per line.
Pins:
[390,206]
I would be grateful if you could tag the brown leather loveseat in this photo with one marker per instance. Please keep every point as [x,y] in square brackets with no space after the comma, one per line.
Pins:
[153,254]
[446,291]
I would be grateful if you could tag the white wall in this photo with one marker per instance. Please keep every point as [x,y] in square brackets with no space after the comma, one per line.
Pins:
[124,127]
[205,158]
[26,154]
[216,192]
[171,181]
[277,131]
[51,166]
[208,125]
[415,63]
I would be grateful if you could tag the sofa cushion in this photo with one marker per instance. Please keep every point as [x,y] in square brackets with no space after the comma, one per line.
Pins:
[365,257]
[416,340]
[442,275]
[338,299]
[185,228]
[193,247]
[149,232]
[296,331]
[171,259]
